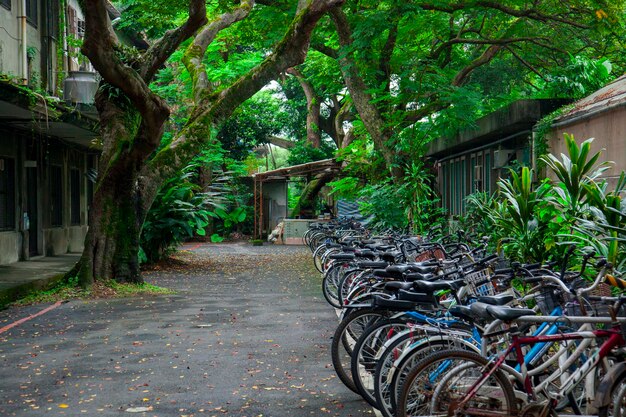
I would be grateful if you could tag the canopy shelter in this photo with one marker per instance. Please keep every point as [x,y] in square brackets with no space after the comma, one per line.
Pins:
[283,175]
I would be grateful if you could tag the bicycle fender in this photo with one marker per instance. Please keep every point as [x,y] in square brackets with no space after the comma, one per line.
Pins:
[603,393]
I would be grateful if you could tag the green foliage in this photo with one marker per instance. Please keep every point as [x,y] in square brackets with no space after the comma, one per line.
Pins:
[535,222]
[180,211]
[576,172]
[304,152]
[579,77]
[232,218]
[380,201]
[251,125]
[521,216]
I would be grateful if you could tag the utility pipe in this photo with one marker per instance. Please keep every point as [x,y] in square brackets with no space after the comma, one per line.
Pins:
[23,56]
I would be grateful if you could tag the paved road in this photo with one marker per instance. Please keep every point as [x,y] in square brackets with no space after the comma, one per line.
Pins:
[247,334]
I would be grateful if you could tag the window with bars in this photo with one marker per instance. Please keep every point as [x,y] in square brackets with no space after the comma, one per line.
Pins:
[7,193]
[6,4]
[74,197]
[32,12]
[56,196]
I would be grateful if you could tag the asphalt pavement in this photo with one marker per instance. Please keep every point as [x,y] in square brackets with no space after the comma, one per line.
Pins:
[247,334]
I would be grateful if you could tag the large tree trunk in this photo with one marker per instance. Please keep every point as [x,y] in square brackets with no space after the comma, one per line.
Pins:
[121,199]
[133,119]
[306,203]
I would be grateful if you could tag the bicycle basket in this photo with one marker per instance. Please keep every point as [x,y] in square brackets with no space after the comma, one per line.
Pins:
[548,298]
[479,283]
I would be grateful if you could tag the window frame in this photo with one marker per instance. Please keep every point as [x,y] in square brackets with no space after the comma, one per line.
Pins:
[6,4]
[32,12]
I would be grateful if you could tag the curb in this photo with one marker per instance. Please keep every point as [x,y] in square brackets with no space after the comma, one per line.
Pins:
[8,295]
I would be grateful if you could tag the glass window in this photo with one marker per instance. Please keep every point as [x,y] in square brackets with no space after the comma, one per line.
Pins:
[31,12]
[56,196]
[6,3]
[7,193]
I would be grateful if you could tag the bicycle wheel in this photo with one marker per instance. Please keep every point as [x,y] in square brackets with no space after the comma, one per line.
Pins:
[366,353]
[617,407]
[438,386]
[330,284]
[345,337]
[412,345]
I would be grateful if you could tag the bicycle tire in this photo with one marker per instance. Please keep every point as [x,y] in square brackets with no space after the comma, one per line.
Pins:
[344,339]
[417,345]
[367,348]
[617,407]
[441,379]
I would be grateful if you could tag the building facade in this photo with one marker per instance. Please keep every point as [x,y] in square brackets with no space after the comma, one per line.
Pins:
[602,116]
[474,159]
[48,146]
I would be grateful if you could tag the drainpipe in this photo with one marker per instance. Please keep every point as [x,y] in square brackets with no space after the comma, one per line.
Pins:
[23,58]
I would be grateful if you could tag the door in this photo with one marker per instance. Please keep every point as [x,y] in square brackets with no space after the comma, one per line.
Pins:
[31,210]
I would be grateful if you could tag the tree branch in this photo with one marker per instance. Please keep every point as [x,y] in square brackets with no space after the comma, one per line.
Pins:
[289,52]
[196,51]
[532,13]
[486,57]
[313,102]
[100,46]
[160,51]
[385,56]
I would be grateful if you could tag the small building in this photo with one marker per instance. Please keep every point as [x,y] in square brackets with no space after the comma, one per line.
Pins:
[602,116]
[271,200]
[473,159]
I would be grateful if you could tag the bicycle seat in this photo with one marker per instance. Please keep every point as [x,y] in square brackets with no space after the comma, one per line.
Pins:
[389,256]
[432,286]
[372,264]
[342,256]
[496,300]
[387,304]
[422,299]
[398,268]
[462,312]
[397,285]
[422,269]
[365,253]
[479,310]
[382,273]
[418,276]
[509,313]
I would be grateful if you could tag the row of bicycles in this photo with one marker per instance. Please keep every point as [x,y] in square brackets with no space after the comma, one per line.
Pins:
[436,326]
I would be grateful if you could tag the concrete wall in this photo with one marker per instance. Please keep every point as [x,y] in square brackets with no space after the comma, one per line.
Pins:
[62,240]
[10,244]
[609,132]
[9,47]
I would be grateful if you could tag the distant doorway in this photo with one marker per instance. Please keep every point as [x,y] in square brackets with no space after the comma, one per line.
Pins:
[31,210]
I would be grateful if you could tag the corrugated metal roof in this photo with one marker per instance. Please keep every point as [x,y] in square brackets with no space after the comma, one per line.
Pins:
[606,98]
[316,167]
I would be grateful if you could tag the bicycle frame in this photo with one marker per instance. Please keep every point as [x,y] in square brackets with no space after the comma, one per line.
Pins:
[614,339]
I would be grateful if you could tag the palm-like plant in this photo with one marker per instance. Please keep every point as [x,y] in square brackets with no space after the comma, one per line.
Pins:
[605,229]
[521,228]
[576,172]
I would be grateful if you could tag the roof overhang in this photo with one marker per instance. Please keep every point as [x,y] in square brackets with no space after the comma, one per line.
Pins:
[24,110]
[521,115]
[302,170]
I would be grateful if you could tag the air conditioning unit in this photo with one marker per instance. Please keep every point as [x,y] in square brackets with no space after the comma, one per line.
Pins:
[501,157]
